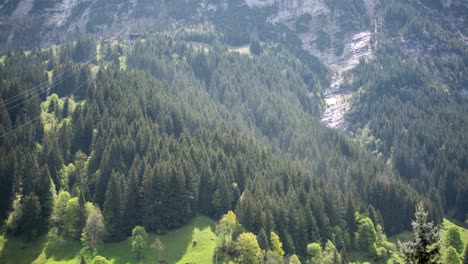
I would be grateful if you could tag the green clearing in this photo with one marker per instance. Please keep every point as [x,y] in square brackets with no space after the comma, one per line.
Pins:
[363,257]
[463,231]
[406,235]
[179,247]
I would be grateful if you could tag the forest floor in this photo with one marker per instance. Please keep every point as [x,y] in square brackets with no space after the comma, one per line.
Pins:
[179,247]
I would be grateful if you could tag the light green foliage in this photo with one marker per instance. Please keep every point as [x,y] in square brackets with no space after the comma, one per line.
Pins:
[138,246]
[452,238]
[65,173]
[248,248]
[94,229]
[294,260]
[53,109]
[58,212]
[72,218]
[100,260]
[366,235]
[276,244]
[330,254]
[314,252]
[451,256]
[272,257]
[139,231]
[225,231]
[139,241]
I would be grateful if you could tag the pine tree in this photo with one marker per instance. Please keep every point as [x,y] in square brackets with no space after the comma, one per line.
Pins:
[131,214]
[263,239]
[113,207]
[30,216]
[425,246]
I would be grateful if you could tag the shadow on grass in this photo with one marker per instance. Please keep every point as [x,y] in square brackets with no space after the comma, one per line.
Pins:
[17,251]
[66,251]
[178,245]
[199,242]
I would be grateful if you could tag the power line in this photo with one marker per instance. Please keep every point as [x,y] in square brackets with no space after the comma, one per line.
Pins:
[74,70]
[38,87]
[76,89]
[7,108]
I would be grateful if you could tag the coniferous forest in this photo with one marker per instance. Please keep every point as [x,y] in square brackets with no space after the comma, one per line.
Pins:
[131,137]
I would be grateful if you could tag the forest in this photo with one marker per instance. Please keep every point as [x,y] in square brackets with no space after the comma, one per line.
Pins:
[115,140]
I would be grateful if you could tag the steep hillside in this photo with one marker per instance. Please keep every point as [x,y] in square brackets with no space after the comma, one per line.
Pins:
[313,119]
[411,107]
[198,130]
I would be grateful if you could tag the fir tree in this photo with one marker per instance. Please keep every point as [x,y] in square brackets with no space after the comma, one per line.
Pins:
[131,214]
[113,208]
[425,246]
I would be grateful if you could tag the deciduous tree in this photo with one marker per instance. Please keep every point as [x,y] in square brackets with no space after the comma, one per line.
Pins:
[94,229]
[249,250]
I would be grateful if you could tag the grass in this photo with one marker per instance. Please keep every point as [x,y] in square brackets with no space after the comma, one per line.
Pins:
[463,231]
[403,237]
[406,235]
[16,251]
[179,248]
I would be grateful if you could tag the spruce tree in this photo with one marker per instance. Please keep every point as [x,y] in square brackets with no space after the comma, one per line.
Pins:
[425,246]
[132,214]
[113,207]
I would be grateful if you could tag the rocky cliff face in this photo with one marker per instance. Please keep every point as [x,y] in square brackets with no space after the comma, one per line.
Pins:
[340,35]
[338,32]
[32,23]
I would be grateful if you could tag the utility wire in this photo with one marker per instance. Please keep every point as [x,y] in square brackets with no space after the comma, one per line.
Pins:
[76,89]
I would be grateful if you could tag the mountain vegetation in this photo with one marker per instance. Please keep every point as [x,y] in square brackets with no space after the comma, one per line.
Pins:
[214,109]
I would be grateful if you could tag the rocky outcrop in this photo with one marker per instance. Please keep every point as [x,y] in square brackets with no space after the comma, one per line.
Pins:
[323,34]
